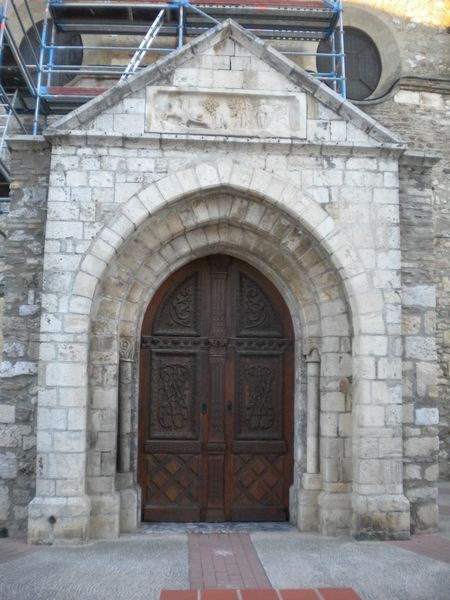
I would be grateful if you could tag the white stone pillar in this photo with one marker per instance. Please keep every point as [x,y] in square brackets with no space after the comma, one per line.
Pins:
[313,404]
[308,507]
[61,508]
[125,480]
[127,356]
[380,509]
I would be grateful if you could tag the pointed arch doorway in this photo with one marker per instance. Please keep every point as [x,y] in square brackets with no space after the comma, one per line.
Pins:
[216,397]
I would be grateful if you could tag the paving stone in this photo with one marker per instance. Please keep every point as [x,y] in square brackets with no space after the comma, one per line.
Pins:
[338,594]
[179,595]
[299,595]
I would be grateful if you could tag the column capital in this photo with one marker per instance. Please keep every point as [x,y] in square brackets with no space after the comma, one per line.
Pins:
[311,348]
[127,349]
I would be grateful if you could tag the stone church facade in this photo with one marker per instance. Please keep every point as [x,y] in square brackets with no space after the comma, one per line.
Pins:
[224,148]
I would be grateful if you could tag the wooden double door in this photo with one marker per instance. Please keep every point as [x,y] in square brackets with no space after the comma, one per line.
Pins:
[216,397]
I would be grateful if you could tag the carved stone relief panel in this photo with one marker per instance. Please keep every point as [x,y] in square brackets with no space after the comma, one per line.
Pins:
[226,112]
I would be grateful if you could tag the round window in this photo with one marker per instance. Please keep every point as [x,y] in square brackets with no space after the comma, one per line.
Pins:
[61,58]
[362,63]
[30,47]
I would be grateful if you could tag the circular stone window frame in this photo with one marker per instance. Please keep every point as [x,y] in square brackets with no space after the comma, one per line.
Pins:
[383,37]
[357,85]
[32,45]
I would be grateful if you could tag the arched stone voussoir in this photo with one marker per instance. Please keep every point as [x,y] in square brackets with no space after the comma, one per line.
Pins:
[239,235]
[289,280]
[229,177]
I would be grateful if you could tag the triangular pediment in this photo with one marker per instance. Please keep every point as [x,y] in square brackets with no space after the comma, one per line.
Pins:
[226,82]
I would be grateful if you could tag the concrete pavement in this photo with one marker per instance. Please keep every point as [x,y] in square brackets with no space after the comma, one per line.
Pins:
[137,567]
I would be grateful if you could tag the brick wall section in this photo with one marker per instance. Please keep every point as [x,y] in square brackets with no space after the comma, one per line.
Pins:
[423,120]
[24,251]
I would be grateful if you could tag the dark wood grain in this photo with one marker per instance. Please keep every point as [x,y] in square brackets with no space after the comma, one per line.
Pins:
[216,396]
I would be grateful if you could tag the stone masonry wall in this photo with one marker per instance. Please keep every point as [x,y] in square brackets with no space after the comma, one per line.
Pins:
[423,121]
[24,249]
[109,179]
[89,182]
[420,415]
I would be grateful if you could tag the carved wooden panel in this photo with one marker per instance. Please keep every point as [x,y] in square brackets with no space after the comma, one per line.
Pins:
[258,315]
[173,479]
[216,404]
[173,486]
[215,500]
[258,480]
[216,397]
[174,400]
[259,397]
[173,343]
[179,311]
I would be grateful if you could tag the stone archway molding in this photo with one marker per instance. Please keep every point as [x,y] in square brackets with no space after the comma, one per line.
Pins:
[227,175]
[379,508]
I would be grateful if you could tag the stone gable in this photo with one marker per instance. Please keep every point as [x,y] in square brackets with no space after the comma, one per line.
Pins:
[227,82]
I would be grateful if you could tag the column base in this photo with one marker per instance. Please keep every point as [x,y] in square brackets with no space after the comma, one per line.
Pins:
[380,517]
[308,502]
[130,502]
[105,516]
[58,519]
[130,510]
[335,513]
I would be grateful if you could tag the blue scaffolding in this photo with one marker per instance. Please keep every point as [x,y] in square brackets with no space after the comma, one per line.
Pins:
[47,68]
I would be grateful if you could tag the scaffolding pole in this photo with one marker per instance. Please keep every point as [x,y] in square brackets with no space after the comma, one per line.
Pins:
[173,20]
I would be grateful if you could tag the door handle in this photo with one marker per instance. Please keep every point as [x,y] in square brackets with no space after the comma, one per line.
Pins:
[204,408]
[229,407]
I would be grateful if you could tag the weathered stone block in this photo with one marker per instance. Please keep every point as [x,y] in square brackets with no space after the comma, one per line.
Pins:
[419,295]
[421,447]
[65,374]
[426,416]
[8,465]
[7,414]
[420,348]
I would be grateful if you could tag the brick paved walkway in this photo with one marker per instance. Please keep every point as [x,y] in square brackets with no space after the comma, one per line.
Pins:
[11,549]
[434,546]
[225,561]
[429,545]
[230,561]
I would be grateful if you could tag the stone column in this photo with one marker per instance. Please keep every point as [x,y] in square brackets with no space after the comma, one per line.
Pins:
[380,508]
[61,508]
[308,508]
[127,357]
[125,480]
[313,403]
